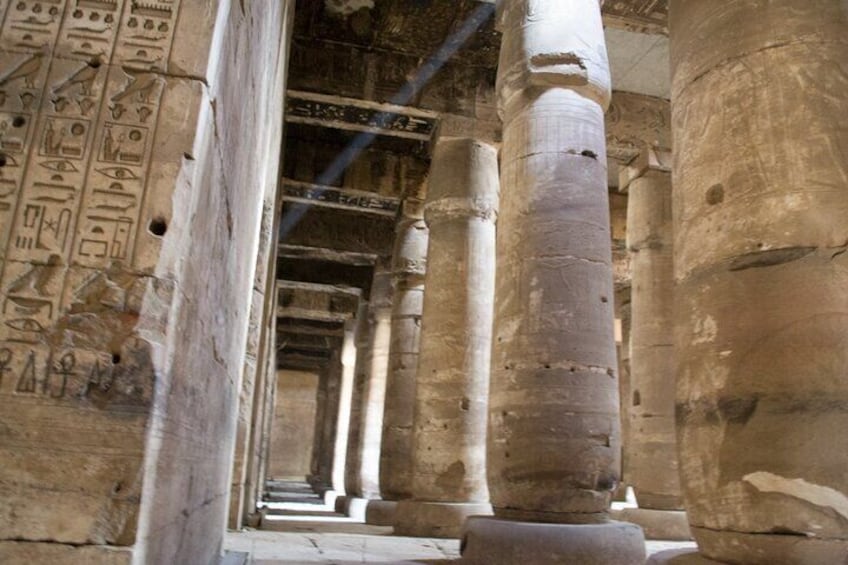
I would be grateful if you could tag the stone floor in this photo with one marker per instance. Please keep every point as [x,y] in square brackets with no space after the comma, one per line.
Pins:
[299,528]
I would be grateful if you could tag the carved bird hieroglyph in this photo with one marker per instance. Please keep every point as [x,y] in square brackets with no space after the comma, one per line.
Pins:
[27,70]
[84,78]
[141,86]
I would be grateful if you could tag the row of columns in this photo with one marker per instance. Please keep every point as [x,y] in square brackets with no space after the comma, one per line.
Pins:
[502,393]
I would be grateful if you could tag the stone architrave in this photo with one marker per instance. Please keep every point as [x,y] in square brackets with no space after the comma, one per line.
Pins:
[408,267]
[554,431]
[760,178]
[452,383]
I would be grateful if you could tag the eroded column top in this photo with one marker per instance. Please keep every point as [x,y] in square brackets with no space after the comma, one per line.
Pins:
[463,180]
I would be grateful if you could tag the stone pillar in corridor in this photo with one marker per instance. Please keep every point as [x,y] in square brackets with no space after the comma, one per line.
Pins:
[366,429]
[554,433]
[622,315]
[325,426]
[345,388]
[760,117]
[452,384]
[651,448]
[409,262]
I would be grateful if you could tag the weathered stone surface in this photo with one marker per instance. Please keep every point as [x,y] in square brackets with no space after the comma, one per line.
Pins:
[653,469]
[293,431]
[408,267]
[347,359]
[60,554]
[452,383]
[211,244]
[99,109]
[553,445]
[493,541]
[760,227]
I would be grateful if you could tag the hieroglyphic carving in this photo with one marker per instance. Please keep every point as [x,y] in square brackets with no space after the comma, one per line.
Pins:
[636,120]
[80,86]
[647,16]
[297,191]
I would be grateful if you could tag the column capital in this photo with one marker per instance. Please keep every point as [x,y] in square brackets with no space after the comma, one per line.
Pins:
[552,44]
[651,162]
[463,180]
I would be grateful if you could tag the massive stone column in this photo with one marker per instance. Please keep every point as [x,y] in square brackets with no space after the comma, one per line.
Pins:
[452,383]
[554,432]
[408,267]
[651,451]
[760,119]
[366,428]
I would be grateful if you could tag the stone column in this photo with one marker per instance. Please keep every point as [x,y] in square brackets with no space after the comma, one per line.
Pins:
[348,364]
[622,313]
[760,230]
[371,434]
[408,266]
[362,341]
[651,451]
[372,357]
[554,431]
[452,384]
[325,426]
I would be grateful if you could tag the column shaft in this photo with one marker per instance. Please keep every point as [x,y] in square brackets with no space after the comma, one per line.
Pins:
[652,453]
[366,417]
[348,362]
[408,267]
[761,223]
[554,430]
[452,383]
[554,433]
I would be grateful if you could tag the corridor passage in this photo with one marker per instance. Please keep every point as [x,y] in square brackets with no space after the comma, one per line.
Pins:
[299,527]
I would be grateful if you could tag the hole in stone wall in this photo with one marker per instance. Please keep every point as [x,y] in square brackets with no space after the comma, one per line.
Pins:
[116,358]
[18,122]
[3,160]
[94,63]
[715,195]
[637,398]
[158,227]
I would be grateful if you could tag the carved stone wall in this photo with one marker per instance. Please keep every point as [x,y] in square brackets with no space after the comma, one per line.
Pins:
[126,210]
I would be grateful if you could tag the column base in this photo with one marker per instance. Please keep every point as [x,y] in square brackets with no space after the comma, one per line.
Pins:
[768,549]
[380,512]
[415,518]
[669,525]
[494,541]
[340,504]
[680,557]
[354,507]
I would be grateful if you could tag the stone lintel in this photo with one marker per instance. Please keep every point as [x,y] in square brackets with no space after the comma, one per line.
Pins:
[318,287]
[650,161]
[323,254]
[310,327]
[316,314]
[352,114]
[341,198]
